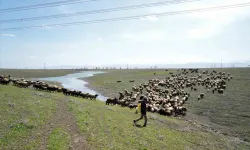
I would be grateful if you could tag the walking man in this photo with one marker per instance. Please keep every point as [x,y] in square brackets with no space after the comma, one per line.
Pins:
[143,101]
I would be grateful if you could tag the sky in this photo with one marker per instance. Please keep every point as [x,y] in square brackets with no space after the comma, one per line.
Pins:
[201,37]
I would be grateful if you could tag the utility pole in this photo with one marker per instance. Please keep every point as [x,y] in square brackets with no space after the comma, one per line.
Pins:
[221,63]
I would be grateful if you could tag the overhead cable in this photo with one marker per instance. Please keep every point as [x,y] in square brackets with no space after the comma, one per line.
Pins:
[98,11]
[134,17]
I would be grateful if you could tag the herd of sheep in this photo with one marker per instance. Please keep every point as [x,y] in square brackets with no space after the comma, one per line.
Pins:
[42,86]
[168,96]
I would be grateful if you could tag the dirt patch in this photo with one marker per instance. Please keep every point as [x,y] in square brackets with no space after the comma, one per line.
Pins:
[66,120]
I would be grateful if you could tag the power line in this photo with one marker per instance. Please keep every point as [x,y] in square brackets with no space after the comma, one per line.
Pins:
[59,3]
[99,11]
[135,17]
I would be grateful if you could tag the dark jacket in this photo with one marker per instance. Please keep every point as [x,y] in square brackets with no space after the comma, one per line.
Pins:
[143,107]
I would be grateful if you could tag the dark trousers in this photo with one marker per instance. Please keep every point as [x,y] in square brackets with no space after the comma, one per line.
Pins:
[145,119]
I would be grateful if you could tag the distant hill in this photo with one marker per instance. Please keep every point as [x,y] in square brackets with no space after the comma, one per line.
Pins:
[186,65]
[235,64]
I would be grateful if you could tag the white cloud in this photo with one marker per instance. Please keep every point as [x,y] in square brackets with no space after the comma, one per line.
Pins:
[44,27]
[204,31]
[150,18]
[152,35]
[212,23]
[166,58]
[11,35]
[32,57]
[47,27]
[100,39]
[205,24]
[64,9]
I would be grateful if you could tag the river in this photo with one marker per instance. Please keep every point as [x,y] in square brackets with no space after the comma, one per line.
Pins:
[72,81]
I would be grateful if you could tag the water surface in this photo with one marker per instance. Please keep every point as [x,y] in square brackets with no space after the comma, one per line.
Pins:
[72,82]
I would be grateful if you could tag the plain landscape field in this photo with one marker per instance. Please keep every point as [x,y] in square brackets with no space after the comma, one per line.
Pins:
[229,113]
[33,119]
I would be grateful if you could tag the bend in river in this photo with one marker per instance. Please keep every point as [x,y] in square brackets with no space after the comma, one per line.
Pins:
[72,81]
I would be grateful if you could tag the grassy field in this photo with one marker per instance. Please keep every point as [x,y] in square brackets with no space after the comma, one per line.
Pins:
[32,119]
[110,127]
[36,73]
[228,113]
[59,139]
[23,113]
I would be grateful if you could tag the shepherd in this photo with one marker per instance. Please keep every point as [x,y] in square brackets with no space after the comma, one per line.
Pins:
[143,101]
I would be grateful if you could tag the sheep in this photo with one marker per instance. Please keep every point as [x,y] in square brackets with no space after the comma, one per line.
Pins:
[221,91]
[52,88]
[66,91]
[121,96]
[126,92]
[5,80]
[92,96]
[202,95]
[112,101]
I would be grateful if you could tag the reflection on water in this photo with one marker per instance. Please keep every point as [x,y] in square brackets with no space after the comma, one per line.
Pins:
[72,82]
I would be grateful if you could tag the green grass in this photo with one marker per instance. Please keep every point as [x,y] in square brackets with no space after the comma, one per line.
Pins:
[23,112]
[228,113]
[36,73]
[59,140]
[110,127]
